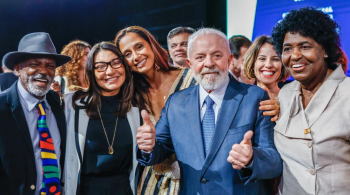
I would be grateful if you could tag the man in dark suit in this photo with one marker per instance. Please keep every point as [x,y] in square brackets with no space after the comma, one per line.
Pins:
[33,127]
[7,78]
[223,142]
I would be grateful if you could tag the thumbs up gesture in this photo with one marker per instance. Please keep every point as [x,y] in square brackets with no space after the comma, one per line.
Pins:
[242,153]
[146,133]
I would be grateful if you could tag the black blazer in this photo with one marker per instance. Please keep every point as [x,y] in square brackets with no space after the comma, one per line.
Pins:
[7,80]
[17,163]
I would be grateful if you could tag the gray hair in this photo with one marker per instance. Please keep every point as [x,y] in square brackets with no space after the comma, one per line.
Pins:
[179,30]
[205,31]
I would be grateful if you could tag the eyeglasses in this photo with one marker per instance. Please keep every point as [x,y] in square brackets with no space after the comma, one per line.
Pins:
[102,66]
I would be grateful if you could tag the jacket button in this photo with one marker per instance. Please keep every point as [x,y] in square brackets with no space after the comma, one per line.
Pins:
[309,144]
[68,175]
[204,180]
[32,187]
[312,171]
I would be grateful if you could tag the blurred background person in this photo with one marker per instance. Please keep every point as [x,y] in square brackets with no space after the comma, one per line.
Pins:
[262,63]
[239,45]
[7,78]
[177,40]
[312,134]
[70,77]
[102,160]
[152,72]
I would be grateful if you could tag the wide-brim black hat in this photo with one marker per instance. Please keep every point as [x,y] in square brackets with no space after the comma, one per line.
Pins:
[34,45]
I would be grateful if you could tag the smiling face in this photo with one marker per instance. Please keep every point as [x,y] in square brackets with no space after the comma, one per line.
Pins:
[111,80]
[36,75]
[178,49]
[267,66]
[304,58]
[137,52]
[209,60]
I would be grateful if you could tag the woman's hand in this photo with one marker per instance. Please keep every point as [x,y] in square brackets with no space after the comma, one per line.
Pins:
[271,105]
[273,108]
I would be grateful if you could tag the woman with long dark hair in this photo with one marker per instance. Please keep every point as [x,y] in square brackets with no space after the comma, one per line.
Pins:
[157,79]
[102,123]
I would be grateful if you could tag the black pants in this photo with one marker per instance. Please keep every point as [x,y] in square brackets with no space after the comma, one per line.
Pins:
[113,185]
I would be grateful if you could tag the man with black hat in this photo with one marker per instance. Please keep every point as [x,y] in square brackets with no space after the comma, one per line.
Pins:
[33,127]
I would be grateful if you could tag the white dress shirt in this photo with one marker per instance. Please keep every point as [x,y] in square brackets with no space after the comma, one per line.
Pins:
[28,103]
[217,95]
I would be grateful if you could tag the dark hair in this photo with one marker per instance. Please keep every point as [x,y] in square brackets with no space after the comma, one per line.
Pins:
[160,55]
[312,23]
[236,42]
[179,30]
[252,54]
[94,92]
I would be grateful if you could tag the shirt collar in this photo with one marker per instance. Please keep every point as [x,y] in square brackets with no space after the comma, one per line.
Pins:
[239,79]
[217,95]
[28,99]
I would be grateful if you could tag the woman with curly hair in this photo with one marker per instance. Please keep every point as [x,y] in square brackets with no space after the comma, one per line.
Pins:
[262,63]
[152,72]
[71,75]
[312,134]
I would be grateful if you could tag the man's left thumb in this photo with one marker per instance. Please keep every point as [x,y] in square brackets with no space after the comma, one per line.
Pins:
[247,139]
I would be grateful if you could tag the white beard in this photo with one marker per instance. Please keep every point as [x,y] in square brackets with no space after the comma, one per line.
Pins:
[211,82]
[32,88]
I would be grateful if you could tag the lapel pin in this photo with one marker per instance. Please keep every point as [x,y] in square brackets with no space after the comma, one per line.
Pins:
[307,131]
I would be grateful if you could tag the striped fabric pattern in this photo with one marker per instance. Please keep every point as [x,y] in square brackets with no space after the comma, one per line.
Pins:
[51,176]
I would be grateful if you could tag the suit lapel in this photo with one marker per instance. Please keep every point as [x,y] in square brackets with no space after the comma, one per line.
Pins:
[292,110]
[323,96]
[226,115]
[17,111]
[133,117]
[81,125]
[57,110]
[195,130]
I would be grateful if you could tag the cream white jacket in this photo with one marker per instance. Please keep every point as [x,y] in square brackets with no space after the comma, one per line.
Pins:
[76,135]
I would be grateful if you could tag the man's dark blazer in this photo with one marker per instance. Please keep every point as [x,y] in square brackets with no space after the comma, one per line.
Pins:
[7,80]
[179,130]
[17,163]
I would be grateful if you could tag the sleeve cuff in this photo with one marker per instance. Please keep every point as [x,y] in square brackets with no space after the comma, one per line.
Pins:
[146,156]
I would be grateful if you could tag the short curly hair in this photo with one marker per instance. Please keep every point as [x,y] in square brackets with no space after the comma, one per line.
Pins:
[313,23]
